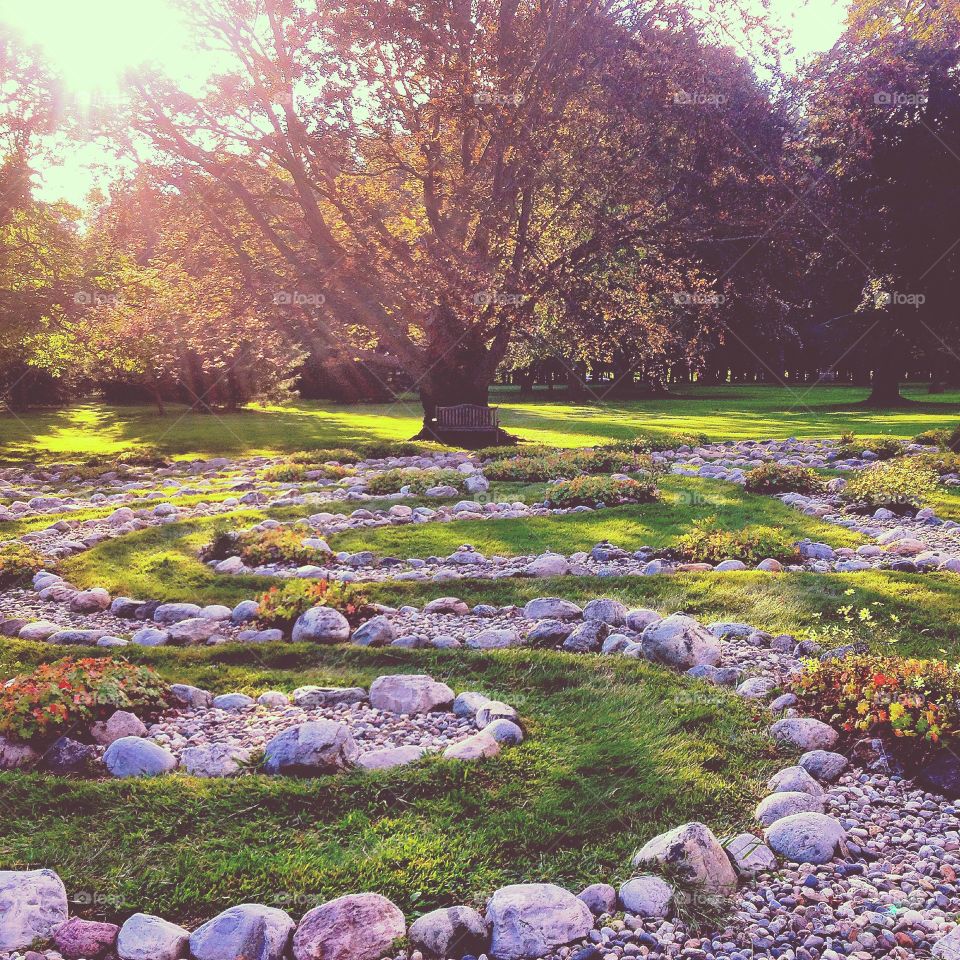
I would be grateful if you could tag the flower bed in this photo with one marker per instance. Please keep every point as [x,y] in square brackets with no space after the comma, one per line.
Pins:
[913,703]
[280,607]
[772,478]
[895,485]
[708,542]
[58,698]
[591,491]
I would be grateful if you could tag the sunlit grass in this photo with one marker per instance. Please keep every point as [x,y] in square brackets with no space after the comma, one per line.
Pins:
[722,412]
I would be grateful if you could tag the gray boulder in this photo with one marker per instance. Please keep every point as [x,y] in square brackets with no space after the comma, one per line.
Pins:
[214,759]
[494,639]
[494,710]
[805,837]
[824,765]
[505,731]
[192,697]
[360,926]
[611,612]
[804,733]
[14,755]
[321,625]
[120,723]
[750,855]
[680,642]
[551,608]
[450,932]
[308,697]
[646,896]
[312,748]
[779,805]
[409,694]
[794,780]
[33,904]
[192,630]
[587,638]
[529,920]
[693,854]
[639,620]
[376,632]
[389,757]
[548,565]
[175,612]
[247,932]
[468,703]
[599,898]
[145,937]
[151,637]
[549,633]
[233,702]
[136,757]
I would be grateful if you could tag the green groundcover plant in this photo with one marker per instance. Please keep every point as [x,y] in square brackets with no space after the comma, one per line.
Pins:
[279,545]
[281,607]
[896,485]
[708,542]
[18,563]
[293,472]
[777,478]
[67,696]
[419,481]
[913,703]
[567,463]
[609,491]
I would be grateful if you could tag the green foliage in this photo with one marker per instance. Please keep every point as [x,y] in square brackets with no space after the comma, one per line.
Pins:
[340,454]
[886,448]
[893,484]
[67,696]
[567,463]
[953,441]
[419,481]
[777,478]
[279,545]
[280,607]
[708,542]
[522,450]
[914,702]
[933,438]
[651,443]
[18,563]
[591,491]
[292,472]
[940,463]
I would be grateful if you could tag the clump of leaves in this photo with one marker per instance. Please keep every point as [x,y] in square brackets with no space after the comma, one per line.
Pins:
[913,703]
[568,463]
[650,443]
[18,563]
[940,463]
[419,481]
[779,478]
[886,448]
[894,484]
[279,545]
[292,472]
[281,607]
[953,441]
[708,542]
[69,695]
[508,452]
[933,438]
[381,449]
[586,491]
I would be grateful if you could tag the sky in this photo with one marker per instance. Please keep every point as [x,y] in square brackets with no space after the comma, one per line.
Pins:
[92,43]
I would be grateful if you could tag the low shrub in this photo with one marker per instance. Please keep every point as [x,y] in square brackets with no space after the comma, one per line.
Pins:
[381,449]
[520,450]
[953,441]
[777,478]
[280,607]
[933,438]
[338,454]
[894,484]
[18,563]
[939,463]
[568,463]
[915,703]
[292,472]
[590,491]
[708,542]
[67,696]
[279,545]
[886,448]
[652,443]
[419,481]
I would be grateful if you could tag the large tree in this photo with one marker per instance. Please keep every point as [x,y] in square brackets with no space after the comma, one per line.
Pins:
[437,171]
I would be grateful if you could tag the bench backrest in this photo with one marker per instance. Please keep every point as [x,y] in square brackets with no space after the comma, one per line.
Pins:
[468,416]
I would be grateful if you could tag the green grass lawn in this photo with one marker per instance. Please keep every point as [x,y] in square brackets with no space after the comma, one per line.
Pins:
[617,751]
[161,562]
[723,412]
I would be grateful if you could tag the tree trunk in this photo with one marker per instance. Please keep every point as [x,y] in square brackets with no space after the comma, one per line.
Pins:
[887,368]
[526,380]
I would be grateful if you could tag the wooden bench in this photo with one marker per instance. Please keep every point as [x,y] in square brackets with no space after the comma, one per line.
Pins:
[467,418]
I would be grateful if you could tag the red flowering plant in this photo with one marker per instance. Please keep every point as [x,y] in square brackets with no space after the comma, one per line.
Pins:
[913,703]
[67,696]
[281,607]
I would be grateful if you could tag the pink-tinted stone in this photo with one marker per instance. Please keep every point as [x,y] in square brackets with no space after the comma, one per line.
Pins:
[85,938]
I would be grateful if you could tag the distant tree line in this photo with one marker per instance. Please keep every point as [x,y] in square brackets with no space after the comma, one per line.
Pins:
[597,196]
